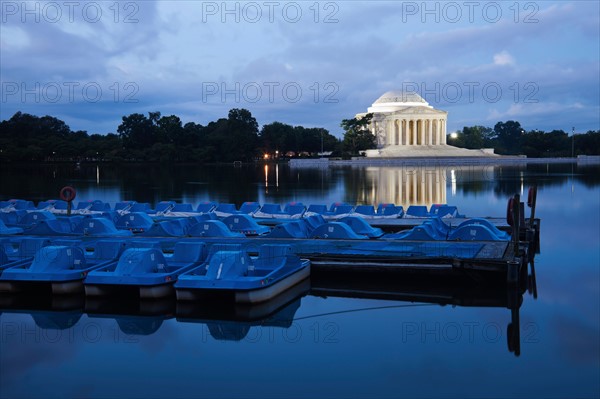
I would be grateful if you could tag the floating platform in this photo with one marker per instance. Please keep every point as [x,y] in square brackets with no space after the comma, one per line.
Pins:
[156,254]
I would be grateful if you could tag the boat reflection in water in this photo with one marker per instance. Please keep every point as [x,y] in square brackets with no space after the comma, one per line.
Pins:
[133,316]
[232,322]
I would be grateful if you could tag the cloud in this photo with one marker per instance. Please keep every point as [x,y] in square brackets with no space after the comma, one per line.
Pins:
[503,58]
[369,48]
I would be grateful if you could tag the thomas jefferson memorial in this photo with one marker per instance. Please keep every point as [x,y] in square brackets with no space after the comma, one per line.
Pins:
[405,125]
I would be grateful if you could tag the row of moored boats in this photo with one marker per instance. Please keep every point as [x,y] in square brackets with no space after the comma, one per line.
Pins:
[100,248]
[291,210]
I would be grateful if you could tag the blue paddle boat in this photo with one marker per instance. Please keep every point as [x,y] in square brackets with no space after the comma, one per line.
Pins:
[146,269]
[20,251]
[229,269]
[63,267]
[8,231]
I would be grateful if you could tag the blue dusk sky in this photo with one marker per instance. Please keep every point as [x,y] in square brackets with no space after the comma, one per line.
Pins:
[302,63]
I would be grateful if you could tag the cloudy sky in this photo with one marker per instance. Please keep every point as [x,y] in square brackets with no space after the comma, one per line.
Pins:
[303,63]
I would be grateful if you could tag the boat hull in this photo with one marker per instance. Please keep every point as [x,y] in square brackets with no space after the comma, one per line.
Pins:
[143,291]
[249,296]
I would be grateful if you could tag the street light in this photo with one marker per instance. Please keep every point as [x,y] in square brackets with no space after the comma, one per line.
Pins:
[573,143]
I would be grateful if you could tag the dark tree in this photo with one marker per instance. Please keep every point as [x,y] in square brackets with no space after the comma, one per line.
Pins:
[357,136]
[509,136]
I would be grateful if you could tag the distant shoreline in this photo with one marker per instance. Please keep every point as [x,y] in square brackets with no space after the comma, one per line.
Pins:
[497,160]
[355,161]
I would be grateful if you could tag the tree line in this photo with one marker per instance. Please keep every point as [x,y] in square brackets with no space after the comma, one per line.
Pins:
[159,138]
[506,138]
[509,138]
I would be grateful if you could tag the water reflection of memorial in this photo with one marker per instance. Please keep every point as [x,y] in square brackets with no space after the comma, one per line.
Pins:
[413,184]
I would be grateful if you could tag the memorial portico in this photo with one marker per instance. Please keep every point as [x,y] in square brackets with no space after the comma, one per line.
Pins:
[404,124]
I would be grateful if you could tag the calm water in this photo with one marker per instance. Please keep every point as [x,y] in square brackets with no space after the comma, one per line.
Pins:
[315,345]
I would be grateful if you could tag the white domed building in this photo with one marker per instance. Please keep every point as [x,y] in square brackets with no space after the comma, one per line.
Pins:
[404,124]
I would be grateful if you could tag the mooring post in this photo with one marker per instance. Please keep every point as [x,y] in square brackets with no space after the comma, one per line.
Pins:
[532,203]
[516,223]
[533,282]
[68,194]
[513,333]
[513,265]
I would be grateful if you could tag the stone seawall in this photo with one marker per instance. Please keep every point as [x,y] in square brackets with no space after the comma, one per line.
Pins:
[495,160]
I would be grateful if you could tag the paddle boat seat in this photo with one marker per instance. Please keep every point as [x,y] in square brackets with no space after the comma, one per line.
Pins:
[19,252]
[434,207]
[339,210]
[56,227]
[293,229]
[417,233]
[416,211]
[104,250]
[244,224]
[294,209]
[164,206]
[497,232]
[336,230]
[212,228]
[31,218]
[99,226]
[89,207]
[141,207]
[6,231]
[54,206]
[140,261]
[314,221]
[365,210]
[187,253]
[206,207]
[224,210]
[271,257]
[214,249]
[136,222]
[270,211]
[474,232]
[437,225]
[167,228]
[3,258]
[390,210]
[12,218]
[56,258]
[228,265]
[361,227]
[16,205]
[191,221]
[123,206]
[446,211]
[24,248]
[249,208]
